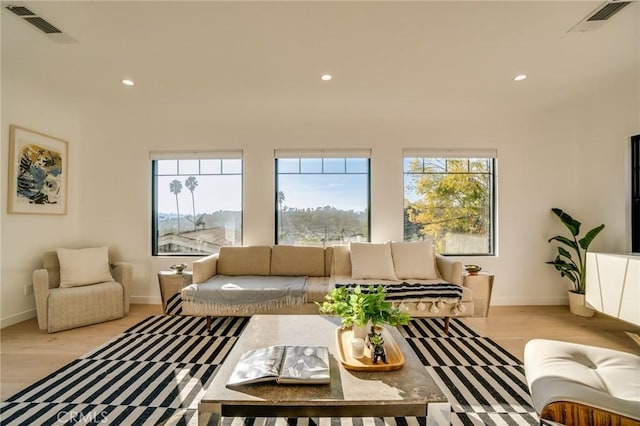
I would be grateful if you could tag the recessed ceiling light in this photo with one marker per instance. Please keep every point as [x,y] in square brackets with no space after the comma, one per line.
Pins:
[127,82]
[520,77]
[326,77]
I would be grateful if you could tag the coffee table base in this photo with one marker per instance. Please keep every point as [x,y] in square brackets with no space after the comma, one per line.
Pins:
[210,414]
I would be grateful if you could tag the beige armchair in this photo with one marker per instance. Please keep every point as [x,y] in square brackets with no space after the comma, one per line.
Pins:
[76,304]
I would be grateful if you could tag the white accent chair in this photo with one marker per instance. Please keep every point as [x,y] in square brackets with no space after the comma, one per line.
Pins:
[573,384]
[76,305]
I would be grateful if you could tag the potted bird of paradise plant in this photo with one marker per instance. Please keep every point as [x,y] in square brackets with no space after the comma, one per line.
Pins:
[575,269]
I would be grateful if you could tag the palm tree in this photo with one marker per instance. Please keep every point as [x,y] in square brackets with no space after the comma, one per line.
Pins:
[280,202]
[191,183]
[175,186]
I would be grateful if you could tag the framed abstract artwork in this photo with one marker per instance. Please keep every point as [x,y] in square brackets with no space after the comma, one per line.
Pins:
[38,172]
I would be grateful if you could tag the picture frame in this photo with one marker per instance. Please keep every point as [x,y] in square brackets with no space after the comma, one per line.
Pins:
[38,173]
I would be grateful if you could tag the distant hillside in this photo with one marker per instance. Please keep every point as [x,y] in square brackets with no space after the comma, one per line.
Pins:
[321,225]
[313,226]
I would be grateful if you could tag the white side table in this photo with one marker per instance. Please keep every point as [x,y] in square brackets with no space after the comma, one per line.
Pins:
[481,285]
[172,283]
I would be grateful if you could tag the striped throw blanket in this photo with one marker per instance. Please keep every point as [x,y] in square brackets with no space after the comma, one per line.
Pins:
[436,294]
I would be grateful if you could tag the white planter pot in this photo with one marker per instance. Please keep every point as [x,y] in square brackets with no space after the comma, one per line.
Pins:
[577,306]
[360,331]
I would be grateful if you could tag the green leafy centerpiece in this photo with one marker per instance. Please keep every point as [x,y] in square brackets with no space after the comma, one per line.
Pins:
[358,308]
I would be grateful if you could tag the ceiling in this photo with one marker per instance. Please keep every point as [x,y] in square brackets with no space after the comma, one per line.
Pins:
[404,58]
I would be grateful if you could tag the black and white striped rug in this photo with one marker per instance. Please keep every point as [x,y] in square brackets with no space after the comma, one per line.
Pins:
[156,372]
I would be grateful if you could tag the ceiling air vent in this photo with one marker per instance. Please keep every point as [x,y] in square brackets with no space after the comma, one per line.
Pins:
[598,17]
[50,30]
[20,10]
[608,10]
[43,25]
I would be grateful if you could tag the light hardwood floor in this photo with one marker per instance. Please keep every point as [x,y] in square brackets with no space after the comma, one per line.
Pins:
[27,354]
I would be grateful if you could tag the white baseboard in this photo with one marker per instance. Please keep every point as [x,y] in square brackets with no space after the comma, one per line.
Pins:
[529,302]
[146,300]
[16,318]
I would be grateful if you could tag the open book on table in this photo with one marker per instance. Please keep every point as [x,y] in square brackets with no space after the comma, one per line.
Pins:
[283,364]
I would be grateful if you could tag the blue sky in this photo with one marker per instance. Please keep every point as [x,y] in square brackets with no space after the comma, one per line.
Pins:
[222,192]
[342,191]
[213,193]
[306,182]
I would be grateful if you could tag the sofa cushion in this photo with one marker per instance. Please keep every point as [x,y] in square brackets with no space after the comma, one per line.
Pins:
[600,378]
[372,261]
[328,260]
[414,260]
[295,260]
[84,305]
[341,265]
[251,260]
[86,266]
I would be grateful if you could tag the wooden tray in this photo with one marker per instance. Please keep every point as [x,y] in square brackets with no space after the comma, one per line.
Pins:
[395,359]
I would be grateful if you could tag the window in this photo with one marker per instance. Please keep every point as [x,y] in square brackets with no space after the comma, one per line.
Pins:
[197,203]
[322,198]
[635,194]
[450,197]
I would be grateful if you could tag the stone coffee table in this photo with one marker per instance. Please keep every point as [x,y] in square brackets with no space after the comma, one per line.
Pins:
[409,391]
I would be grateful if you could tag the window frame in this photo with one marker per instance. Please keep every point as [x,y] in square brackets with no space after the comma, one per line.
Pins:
[635,194]
[205,155]
[320,155]
[449,154]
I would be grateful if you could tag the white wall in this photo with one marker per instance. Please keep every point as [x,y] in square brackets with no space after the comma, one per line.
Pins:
[26,237]
[591,135]
[541,162]
[569,156]
[604,150]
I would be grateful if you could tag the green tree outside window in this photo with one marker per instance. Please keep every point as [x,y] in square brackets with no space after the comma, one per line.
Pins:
[451,201]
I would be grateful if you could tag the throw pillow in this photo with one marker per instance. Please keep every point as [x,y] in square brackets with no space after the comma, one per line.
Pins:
[371,261]
[414,260]
[80,267]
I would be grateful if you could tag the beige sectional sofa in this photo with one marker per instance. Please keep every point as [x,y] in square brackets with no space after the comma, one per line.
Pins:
[364,263]
[263,261]
[410,263]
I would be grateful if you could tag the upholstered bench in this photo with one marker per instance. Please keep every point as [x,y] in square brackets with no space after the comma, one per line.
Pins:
[575,384]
